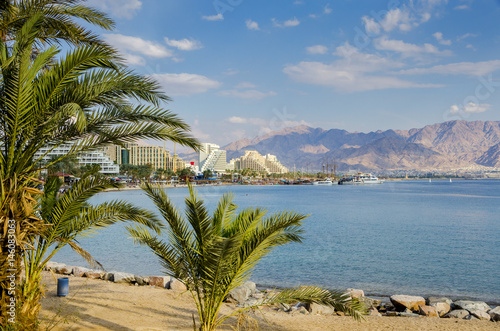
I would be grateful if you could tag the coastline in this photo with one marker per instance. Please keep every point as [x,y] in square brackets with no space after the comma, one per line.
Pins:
[104,305]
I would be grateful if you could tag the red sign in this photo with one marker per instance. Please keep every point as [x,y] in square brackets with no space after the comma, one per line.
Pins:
[192,163]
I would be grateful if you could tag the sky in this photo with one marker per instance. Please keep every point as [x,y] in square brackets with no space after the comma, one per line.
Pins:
[239,68]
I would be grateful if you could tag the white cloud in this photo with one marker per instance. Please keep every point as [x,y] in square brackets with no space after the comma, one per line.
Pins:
[185,84]
[287,24]
[469,108]
[212,18]
[469,46]
[119,8]
[242,120]
[231,72]
[461,68]
[134,59]
[439,37]
[461,7]
[184,44]
[251,25]
[136,44]
[371,26]
[407,49]
[467,35]
[354,71]
[246,94]
[327,9]
[265,124]
[316,49]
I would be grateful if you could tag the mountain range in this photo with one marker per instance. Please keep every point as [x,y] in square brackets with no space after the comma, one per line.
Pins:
[443,146]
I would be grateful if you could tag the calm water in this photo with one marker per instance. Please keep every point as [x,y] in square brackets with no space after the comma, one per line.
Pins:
[411,237]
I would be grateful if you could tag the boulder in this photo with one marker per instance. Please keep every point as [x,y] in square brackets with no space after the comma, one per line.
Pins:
[432,300]
[123,277]
[480,314]
[369,302]
[442,308]
[141,280]
[176,285]
[457,313]
[495,314]
[407,301]
[428,311]
[109,276]
[471,305]
[470,317]
[355,294]
[160,281]
[92,274]
[243,292]
[64,269]
[404,314]
[316,309]
[374,312]
[51,265]
[79,271]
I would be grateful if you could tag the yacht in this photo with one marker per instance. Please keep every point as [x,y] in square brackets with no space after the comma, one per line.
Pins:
[360,178]
[327,181]
[370,179]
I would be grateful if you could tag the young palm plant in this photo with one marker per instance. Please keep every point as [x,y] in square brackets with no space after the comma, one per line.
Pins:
[67,218]
[214,254]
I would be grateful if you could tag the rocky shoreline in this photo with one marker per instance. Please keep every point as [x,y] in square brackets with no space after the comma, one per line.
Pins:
[248,295]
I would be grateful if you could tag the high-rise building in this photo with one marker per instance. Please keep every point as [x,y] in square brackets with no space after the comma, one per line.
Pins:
[254,161]
[211,157]
[99,157]
[142,154]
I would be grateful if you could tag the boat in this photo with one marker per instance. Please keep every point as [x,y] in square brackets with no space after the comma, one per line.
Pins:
[360,178]
[327,181]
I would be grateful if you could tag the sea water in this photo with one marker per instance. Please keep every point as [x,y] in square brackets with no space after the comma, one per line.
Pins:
[407,237]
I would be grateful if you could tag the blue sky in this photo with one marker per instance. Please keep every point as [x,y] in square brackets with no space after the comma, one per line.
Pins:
[239,68]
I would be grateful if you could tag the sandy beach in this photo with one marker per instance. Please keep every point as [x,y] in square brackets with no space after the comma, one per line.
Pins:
[100,305]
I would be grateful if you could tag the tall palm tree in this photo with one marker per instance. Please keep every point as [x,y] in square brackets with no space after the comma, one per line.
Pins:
[214,254]
[87,100]
[67,218]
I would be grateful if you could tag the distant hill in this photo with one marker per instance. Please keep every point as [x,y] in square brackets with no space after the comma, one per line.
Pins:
[453,144]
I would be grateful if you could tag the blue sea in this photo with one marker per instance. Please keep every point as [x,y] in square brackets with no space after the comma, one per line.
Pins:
[407,237]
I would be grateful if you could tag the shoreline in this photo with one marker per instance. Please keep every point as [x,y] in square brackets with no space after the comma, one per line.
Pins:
[106,305]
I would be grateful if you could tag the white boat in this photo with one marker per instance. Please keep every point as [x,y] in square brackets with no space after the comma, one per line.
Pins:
[327,181]
[360,178]
[370,179]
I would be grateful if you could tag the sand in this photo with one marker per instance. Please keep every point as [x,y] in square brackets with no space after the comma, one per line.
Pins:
[100,305]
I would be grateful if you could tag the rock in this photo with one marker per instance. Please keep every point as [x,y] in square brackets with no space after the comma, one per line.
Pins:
[495,314]
[431,300]
[141,280]
[392,313]
[303,310]
[471,305]
[94,274]
[51,265]
[79,271]
[176,285]
[160,281]
[480,314]
[243,292]
[403,314]
[64,269]
[316,309]
[109,276]
[442,308]
[374,312]
[355,294]
[123,277]
[284,307]
[340,313]
[428,311]
[470,317]
[407,301]
[369,302]
[258,295]
[457,313]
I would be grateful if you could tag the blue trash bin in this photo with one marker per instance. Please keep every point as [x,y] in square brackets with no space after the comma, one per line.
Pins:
[62,287]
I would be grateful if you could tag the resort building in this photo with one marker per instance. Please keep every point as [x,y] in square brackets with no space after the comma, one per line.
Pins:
[142,154]
[211,157]
[254,161]
[99,157]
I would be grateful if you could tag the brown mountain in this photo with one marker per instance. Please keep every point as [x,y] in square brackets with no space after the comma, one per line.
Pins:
[454,144]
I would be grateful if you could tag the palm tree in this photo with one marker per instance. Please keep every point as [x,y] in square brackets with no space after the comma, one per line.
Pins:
[66,219]
[57,20]
[212,255]
[86,100]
